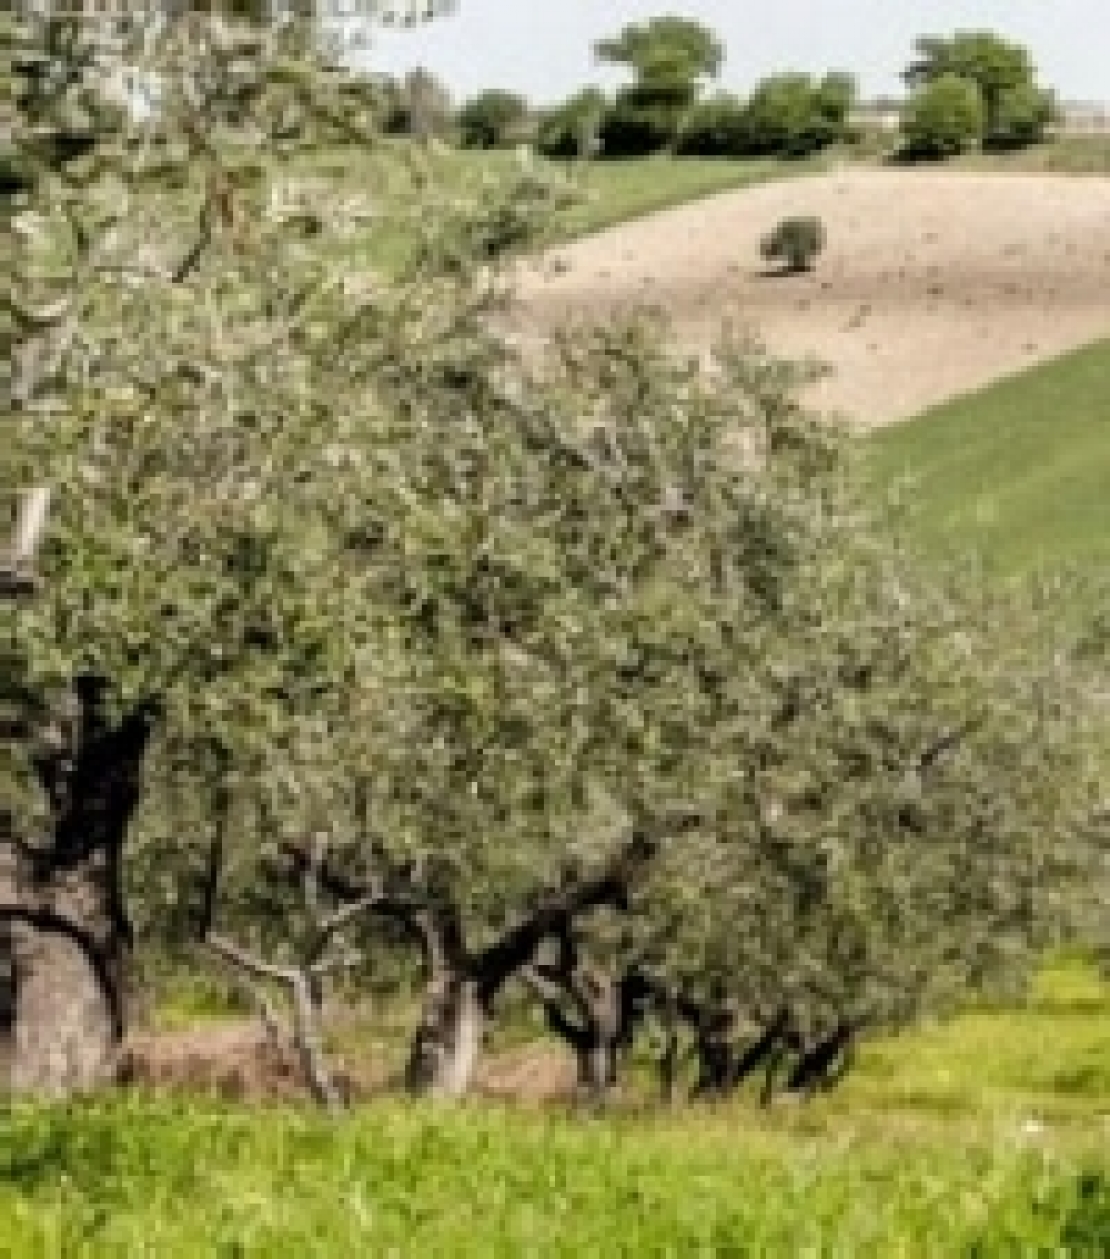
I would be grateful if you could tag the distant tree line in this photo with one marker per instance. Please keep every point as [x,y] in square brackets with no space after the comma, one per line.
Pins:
[973,89]
[663,109]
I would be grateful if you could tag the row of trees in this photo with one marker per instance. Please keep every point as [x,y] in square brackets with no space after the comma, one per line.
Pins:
[361,643]
[671,60]
[971,89]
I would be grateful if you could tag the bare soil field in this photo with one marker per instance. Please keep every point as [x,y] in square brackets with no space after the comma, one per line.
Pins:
[932,284]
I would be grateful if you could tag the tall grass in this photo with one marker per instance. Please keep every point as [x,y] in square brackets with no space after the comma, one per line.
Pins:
[163,1179]
[983,1135]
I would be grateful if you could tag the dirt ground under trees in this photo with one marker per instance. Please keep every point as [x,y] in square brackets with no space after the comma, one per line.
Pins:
[933,283]
[233,1059]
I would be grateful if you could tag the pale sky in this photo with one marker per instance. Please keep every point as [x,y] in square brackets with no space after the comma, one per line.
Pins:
[543,48]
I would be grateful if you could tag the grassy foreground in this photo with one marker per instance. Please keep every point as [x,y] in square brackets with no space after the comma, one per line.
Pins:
[1016,472]
[163,1180]
[981,1136]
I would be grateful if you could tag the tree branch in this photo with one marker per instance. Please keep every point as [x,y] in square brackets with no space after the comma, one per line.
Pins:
[556,908]
[946,742]
[17,566]
[306,1029]
[332,923]
[254,966]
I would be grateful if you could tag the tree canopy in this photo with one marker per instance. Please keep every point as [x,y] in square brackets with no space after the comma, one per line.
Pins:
[942,117]
[581,663]
[493,119]
[1015,111]
[670,58]
[673,48]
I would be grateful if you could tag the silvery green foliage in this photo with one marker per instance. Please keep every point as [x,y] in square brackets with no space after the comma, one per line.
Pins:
[901,781]
[396,586]
[186,388]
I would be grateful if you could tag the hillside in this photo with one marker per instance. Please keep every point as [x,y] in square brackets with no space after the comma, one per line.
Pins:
[1017,472]
[934,282]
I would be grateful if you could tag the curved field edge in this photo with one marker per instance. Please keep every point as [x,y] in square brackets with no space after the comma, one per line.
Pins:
[619,192]
[1015,474]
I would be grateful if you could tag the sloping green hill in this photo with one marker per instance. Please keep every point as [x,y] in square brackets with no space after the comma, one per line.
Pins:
[1018,473]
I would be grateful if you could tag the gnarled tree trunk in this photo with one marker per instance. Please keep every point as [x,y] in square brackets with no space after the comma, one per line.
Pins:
[448,1040]
[463,985]
[605,1012]
[596,1056]
[61,904]
[67,1025]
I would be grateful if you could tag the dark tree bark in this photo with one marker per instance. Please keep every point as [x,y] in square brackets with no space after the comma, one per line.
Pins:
[7,959]
[824,1064]
[670,1058]
[712,1022]
[592,1031]
[723,1065]
[606,1011]
[462,995]
[463,984]
[768,1051]
[63,903]
[448,1038]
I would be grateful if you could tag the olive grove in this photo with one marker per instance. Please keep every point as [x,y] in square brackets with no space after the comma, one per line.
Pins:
[586,674]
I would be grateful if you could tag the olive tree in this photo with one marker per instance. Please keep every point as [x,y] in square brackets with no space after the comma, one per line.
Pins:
[335,537]
[487,647]
[905,823]
[166,328]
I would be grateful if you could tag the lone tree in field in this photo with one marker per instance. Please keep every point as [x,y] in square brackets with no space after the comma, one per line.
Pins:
[796,242]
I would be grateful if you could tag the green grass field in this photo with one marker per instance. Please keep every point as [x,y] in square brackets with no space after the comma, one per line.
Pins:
[613,192]
[1017,473]
[602,194]
[983,1135]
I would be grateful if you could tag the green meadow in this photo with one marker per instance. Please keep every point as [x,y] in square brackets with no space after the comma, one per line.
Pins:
[1016,475]
[592,195]
[982,1135]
